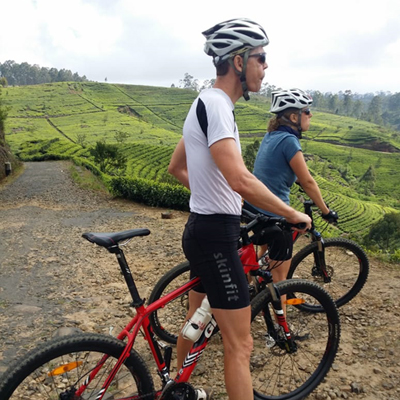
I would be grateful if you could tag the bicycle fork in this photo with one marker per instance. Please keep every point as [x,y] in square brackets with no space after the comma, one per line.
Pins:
[285,341]
[319,269]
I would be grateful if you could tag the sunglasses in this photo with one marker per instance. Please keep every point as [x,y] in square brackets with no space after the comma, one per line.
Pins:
[307,111]
[261,57]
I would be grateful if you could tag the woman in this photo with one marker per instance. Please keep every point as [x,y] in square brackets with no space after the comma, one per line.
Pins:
[280,163]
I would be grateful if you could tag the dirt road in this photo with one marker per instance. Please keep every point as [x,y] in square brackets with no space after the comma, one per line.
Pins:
[51,278]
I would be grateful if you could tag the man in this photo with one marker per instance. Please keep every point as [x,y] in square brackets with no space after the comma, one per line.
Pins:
[208,161]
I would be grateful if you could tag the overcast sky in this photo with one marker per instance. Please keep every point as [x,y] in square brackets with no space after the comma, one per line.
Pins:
[328,46]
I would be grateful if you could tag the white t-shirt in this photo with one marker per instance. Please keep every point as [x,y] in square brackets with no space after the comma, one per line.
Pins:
[210,191]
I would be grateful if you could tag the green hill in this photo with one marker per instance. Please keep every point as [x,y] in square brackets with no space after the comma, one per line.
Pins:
[356,163]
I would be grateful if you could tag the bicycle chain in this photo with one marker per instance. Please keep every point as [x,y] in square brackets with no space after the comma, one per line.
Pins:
[147,396]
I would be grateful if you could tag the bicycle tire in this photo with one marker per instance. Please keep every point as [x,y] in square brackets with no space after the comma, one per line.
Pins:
[347,265]
[168,320]
[278,375]
[29,376]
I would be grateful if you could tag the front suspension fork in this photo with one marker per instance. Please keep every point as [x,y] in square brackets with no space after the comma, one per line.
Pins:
[319,268]
[287,343]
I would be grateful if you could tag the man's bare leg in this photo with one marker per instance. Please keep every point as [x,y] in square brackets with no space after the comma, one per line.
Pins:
[234,326]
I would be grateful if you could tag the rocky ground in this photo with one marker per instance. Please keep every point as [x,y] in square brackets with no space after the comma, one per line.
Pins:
[52,278]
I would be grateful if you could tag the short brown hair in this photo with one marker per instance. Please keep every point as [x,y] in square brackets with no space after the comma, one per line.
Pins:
[222,69]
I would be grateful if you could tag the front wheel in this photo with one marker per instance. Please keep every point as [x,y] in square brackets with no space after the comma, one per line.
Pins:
[347,268]
[59,368]
[282,373]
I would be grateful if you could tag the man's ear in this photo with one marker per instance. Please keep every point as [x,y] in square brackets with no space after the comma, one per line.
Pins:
[238,63]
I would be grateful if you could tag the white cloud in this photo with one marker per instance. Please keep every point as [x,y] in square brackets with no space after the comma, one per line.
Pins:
[314,45]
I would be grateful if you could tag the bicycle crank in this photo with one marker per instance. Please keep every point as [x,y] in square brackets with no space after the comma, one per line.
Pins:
[179,391]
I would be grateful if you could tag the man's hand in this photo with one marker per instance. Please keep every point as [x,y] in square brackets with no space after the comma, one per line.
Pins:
[298,218]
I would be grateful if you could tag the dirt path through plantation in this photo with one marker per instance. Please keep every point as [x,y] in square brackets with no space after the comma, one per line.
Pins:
[51,278]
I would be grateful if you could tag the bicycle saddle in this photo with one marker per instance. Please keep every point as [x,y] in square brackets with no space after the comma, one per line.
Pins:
[113,238]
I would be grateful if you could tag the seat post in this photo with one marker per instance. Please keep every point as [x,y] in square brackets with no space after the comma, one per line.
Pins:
[126,272]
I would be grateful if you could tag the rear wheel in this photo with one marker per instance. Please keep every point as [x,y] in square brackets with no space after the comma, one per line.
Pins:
[59,368]
[347,267]
[281,374]
[168,321]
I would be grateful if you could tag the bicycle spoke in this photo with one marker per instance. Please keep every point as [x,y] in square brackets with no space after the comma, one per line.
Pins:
[61,369]
[276,371]
[346,265]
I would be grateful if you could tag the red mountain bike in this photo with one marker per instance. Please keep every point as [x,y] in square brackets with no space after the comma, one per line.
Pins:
[92,366]
[339,265]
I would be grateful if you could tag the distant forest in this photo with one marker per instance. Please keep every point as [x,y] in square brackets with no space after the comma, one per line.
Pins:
[382,108]
[14,74]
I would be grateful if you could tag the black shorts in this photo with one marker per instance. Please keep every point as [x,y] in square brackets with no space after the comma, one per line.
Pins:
[210,244]
[280,242]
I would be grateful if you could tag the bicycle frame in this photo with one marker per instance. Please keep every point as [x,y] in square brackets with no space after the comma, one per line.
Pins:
[248,258]
[319,254]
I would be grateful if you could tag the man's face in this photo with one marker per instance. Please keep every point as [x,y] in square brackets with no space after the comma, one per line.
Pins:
[255,71]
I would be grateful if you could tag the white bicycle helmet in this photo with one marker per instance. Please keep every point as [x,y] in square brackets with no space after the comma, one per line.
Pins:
[232,37]
[292,98]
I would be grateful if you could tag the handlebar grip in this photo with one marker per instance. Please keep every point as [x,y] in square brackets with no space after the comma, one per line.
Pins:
[246,214]
[301,225]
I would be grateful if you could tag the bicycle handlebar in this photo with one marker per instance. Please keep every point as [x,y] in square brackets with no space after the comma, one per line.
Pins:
[253,220]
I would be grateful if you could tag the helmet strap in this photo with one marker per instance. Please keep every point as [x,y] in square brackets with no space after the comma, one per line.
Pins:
[299,123]
[242,73]
[294,125]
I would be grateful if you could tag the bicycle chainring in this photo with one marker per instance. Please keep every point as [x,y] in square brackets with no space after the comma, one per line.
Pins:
[179,391]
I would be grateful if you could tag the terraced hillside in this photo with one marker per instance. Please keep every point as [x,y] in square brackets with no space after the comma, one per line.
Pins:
[65,120]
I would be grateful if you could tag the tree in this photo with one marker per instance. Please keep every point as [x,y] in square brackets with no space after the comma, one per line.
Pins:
[81,139]
[207,84]
[109,158]
[266,89]
[3,82]
[26,74]
[358,108]
[121,136]
[250,153]
[188,82]
[3,115]
[347,102]
[394,103]
[333,103]
[385,234]
[375,110]
[318,99]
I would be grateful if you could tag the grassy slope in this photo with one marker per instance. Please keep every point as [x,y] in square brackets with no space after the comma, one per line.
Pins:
[153,118]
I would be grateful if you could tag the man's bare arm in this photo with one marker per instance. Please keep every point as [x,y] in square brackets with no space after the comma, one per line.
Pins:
[177,166]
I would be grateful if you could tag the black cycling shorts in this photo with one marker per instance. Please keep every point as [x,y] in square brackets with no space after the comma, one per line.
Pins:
[280,242]
[210,244]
